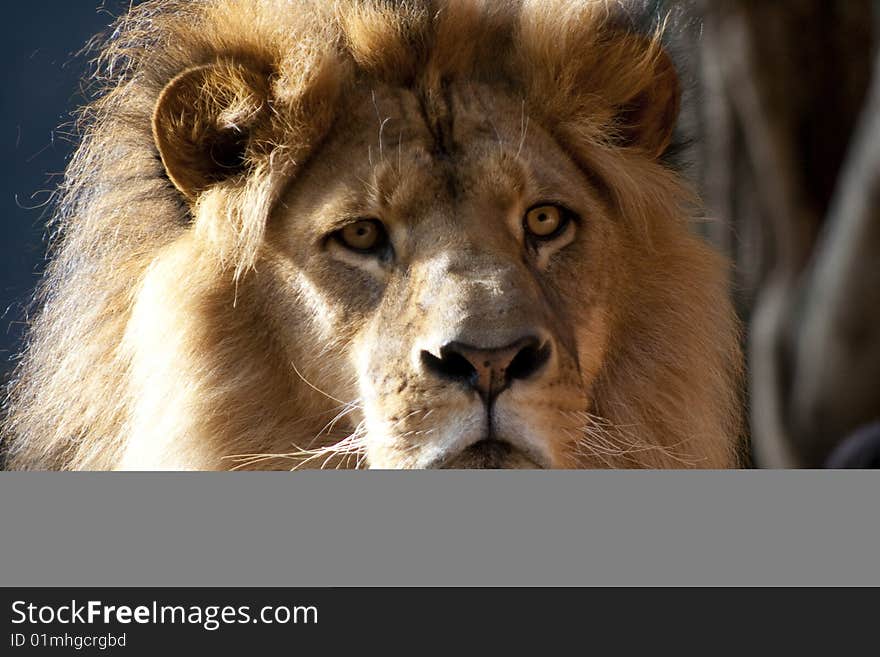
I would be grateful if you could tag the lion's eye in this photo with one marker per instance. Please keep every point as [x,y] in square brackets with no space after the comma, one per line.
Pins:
[545,221]
[366,235]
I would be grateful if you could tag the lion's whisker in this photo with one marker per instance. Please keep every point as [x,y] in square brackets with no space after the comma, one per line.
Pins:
[316,388]
[601,438]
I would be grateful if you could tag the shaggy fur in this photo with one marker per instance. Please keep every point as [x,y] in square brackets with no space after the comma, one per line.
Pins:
[164,339]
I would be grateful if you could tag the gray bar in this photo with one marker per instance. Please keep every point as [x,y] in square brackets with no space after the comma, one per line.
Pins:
[440,528]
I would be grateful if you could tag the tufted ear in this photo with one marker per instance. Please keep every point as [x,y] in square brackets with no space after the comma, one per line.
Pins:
[647,119]
[204,121]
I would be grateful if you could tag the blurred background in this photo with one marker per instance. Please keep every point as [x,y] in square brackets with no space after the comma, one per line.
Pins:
[780,133]
[783,120]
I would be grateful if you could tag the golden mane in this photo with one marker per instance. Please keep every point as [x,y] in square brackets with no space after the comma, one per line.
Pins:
[68,407]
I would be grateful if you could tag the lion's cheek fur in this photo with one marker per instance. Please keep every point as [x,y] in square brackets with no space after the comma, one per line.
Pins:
[168,380]
[212,380]
[673,365]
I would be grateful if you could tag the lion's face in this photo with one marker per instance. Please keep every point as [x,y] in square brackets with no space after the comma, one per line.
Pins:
[455,271]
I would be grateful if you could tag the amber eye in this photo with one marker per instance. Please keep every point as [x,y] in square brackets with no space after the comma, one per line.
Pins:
[364,235]
[545,221]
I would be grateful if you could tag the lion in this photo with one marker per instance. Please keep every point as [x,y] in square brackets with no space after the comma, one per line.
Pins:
[375,234]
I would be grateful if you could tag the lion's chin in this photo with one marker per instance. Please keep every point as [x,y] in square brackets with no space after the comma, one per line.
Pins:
[491,454]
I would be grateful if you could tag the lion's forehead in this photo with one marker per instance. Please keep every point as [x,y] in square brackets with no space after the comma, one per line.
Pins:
[466,160]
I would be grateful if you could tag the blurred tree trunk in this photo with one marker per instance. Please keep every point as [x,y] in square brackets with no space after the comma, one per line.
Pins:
[784,84]
[837,349]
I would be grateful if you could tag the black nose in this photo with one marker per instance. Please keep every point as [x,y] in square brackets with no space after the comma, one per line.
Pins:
[488,371]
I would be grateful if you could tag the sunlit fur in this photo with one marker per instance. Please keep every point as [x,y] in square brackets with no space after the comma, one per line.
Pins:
[206,326]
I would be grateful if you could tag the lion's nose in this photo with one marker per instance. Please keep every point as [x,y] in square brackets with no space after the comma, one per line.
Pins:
[489,371]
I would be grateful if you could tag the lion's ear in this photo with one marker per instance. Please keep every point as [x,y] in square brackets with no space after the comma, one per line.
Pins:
[204,121]
[647,119]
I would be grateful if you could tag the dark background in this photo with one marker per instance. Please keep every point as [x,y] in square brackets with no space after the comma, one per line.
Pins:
[41,86]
